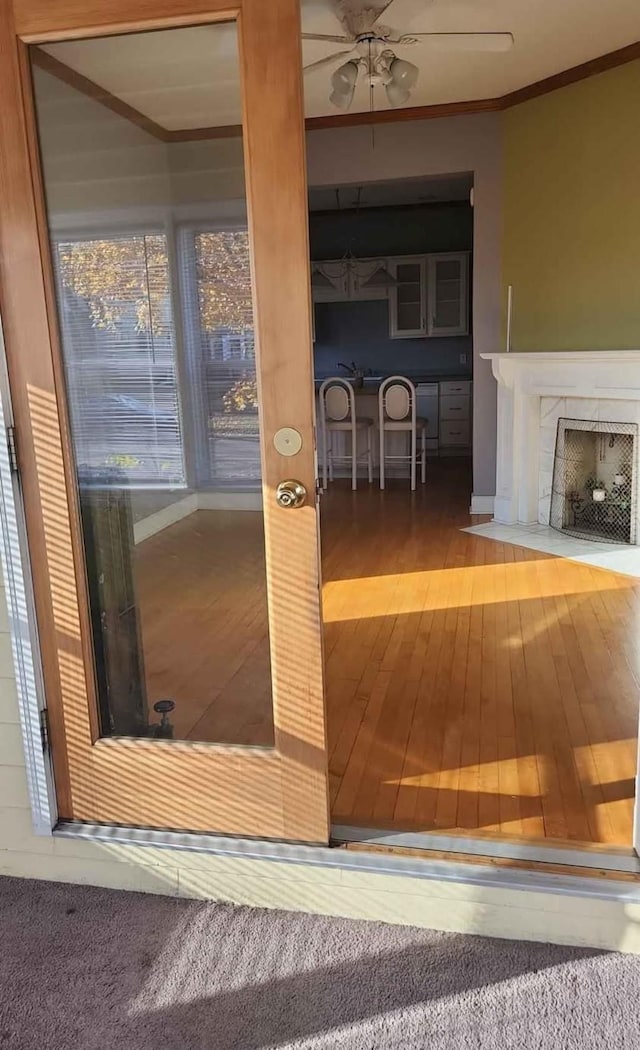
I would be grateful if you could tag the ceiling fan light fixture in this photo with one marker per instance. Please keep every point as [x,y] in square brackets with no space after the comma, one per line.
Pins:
[345,76]
[343,82]
[397,94]
[404,73]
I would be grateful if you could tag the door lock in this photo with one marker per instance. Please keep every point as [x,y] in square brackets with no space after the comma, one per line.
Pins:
[290,494]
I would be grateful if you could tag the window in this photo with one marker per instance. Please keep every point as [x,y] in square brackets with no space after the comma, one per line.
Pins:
[120,358]
[216,281]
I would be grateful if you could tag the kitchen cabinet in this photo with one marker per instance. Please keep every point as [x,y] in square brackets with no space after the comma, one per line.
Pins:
[430,298]
[454,429]
[448,294]
[407,298]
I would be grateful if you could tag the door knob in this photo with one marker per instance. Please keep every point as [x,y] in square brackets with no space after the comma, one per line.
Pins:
[290,494]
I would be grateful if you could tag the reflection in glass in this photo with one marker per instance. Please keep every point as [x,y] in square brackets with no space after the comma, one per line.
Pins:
[152,264]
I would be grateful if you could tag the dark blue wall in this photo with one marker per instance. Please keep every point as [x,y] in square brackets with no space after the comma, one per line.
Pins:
[359,331]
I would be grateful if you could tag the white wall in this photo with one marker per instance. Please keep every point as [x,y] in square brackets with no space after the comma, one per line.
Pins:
[422,148]
[94,161]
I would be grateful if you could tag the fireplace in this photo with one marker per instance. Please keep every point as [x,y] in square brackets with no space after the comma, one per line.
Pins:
[593,391]
[593,493]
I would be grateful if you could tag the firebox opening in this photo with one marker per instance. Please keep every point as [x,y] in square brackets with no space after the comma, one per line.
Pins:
[594,480]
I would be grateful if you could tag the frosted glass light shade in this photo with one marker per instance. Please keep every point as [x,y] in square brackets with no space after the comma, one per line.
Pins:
[404,73]
[396,94]
[343,82]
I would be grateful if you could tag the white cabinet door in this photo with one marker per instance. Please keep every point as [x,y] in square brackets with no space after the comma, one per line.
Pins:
[448,293]
[361,272]
[336,272]
[407,298]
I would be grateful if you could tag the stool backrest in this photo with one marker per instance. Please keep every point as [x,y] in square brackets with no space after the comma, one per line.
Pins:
[397,399]
[337,400]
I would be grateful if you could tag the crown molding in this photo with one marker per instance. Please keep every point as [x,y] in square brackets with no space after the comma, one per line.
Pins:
[43,60]
[593,67]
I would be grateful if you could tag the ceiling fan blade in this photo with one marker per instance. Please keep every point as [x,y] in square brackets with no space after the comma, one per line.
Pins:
[327,36]
[459,41]
[322,63]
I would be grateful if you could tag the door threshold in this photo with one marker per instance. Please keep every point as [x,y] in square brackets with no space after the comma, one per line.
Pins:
[505,849]
[376,859]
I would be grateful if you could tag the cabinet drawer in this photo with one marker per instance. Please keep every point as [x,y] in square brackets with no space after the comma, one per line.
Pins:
[455,406]
[453,386]
[452,433]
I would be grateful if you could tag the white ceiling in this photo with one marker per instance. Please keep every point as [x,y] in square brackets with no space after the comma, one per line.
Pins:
[400,191]
[187,78]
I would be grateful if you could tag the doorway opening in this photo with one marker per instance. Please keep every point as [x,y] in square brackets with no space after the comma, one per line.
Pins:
[473,691]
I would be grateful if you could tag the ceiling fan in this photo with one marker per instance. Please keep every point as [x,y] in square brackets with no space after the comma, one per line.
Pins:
[370,51]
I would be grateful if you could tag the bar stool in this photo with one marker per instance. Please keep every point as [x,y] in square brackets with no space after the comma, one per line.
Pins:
[338,415]
[397,412]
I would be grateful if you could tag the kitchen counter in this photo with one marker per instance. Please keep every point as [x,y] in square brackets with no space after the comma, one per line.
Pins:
[423,377]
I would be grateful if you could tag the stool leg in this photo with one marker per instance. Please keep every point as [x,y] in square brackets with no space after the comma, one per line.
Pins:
[414,452]
[354,459]
[325,455]
[424,456]
[370,454]
[381,457]
[331,461]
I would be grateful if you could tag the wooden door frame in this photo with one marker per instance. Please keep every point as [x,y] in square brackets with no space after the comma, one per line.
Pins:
[279,793]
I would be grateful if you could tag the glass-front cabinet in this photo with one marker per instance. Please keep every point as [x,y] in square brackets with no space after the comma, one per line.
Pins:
[407,298]
[430,297]
[447,294]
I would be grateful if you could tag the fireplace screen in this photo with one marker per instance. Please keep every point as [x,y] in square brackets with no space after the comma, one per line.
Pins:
[594,480]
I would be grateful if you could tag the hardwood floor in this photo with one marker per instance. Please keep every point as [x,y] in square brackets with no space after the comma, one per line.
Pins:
[470,684]
[473,684]
[201,590]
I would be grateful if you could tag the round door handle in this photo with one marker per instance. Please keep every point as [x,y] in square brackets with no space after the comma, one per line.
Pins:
[290,494]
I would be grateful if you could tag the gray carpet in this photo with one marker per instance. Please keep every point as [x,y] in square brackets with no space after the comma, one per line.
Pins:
[94,969]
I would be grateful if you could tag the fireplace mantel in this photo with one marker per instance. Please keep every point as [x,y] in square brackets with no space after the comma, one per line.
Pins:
[600,377]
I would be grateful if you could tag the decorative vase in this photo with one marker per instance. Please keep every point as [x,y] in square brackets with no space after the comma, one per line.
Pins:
[620,480]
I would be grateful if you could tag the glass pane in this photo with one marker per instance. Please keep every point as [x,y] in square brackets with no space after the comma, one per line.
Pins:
[447,315]
[408,317]
[408,272]
[151,254]
[448,285]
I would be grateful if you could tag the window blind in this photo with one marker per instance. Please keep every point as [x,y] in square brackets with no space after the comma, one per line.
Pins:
[220,345]
[120,359]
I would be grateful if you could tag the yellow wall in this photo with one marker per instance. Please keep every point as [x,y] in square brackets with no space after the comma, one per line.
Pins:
[572,215]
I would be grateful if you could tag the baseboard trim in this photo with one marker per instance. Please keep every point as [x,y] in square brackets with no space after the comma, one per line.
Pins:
[482,504]
[165,517]
[182,508]
[230,500]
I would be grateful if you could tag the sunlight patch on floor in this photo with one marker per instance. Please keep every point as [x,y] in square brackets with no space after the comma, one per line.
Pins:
[414,592]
